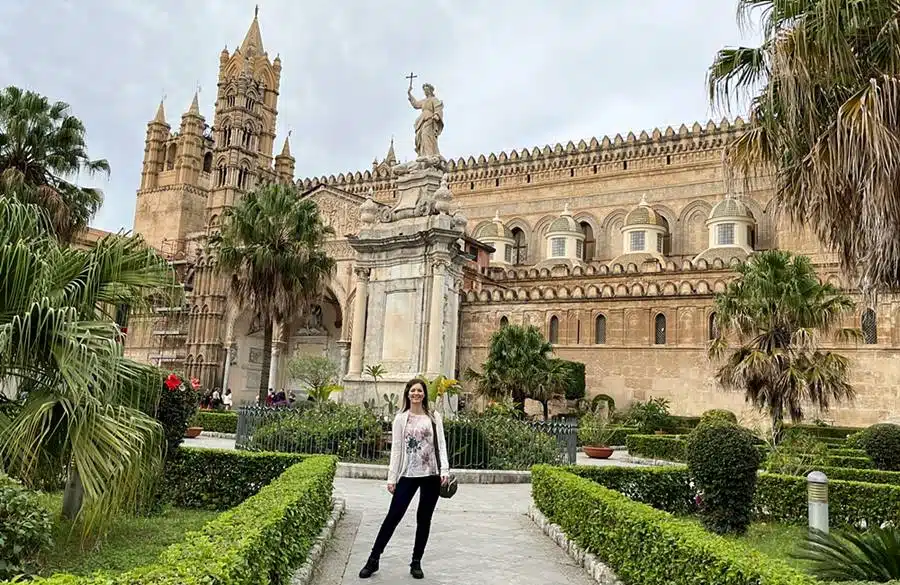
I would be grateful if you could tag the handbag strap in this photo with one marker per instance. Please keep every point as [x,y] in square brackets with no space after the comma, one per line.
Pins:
[437,448]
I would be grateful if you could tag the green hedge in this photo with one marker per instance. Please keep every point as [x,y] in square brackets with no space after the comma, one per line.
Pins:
[845,452]
[850,462]
[216,422]
[825,432]
[780,498]
[497,442]
[260,541]
[213,479]
[649,546]
[665,447]
[864,475]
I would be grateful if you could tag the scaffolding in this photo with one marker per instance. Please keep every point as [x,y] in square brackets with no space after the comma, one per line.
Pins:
[170,323]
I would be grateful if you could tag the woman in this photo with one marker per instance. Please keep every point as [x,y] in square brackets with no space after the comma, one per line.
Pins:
[416,435]
[228,399]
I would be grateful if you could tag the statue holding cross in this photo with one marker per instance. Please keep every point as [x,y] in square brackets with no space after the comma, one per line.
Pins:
[430,122]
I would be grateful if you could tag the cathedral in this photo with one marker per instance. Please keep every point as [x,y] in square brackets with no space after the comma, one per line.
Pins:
[613,247]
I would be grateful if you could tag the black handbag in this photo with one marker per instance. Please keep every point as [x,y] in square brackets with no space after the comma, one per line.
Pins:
[449,490]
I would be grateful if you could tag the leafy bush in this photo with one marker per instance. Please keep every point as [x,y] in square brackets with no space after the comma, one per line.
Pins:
[214,479]
[882,444]
[216,422]
[825,431]
[662,447]
[719,414]
[507,443]
[650,416]
[854,440]
[594,431]
[664,488]
[648,546]
[178,403]
[576,387]
[797,454]
[863,475]
[723,461]
[25,527]
[346,430]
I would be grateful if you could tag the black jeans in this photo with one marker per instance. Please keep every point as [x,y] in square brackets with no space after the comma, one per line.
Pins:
[429,490]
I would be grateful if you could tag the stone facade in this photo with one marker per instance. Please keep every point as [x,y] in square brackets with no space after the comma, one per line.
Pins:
[614,247]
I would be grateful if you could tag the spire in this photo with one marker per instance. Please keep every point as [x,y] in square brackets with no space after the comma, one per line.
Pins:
[195,106]
[254,37]
[391,158]
[286,149]
[160,113]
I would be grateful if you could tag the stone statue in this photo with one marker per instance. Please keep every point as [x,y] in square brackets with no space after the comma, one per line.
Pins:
[429,124]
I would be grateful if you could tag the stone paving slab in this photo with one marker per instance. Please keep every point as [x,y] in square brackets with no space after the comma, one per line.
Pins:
[480,536]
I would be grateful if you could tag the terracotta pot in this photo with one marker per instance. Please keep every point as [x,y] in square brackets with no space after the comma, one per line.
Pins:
[193,432]
[597,452]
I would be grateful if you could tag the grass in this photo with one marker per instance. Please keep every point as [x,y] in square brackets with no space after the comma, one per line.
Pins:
[131,541]
[776,540]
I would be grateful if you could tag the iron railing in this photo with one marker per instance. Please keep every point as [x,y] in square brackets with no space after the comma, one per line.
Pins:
[357,435]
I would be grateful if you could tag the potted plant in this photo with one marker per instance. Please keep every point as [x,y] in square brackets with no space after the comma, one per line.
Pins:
[595,435]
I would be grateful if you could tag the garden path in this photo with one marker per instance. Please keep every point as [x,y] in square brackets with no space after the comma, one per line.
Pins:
[480,536]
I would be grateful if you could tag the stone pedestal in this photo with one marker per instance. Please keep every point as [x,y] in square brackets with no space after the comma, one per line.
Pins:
[409,270]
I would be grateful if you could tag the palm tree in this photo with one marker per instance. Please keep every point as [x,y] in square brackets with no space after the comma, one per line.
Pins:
[271,248]
[42,146]
[778,310]
[825,87]
[519,365]
[83,406]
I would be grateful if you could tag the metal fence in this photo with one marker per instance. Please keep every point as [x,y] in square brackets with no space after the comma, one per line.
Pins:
[357,435]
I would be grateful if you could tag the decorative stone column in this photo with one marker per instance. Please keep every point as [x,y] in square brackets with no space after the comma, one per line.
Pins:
[230,315]
[227,368]
[344,346]
[277,348]
[359,321]
[436,316]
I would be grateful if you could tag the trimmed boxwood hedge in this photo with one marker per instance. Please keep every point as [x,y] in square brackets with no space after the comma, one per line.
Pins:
[780,498]
[825,432]
[648,546]
[664,447]
[218,479]
[260,541]
[216,422]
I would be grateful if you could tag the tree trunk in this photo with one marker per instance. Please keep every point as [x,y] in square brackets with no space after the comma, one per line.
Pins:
[777,426]
[519,400]
[267,360]
[546,405]
[73,496]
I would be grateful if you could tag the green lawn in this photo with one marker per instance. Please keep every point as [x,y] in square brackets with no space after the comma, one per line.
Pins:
[131,541]
[776,540]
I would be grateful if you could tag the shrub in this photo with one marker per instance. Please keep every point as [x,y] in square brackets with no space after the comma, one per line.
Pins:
[663,447]
[216,422]
[346,430]
[854,440]
[178,403]
[214,479]
[576,387]
[648,546]
[882,444]
[797,454]
[719,414]
[825,431]
[467,447]
[25,527]
[664,488]
[650,416]
[511,444]
[723,461]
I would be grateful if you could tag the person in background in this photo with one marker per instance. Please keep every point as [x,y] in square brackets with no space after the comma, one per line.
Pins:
[227,399]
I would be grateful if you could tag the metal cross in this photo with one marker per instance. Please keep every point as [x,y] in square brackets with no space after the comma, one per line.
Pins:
[410,77]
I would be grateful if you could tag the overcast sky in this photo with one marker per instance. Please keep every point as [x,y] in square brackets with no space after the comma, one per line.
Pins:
[512,73]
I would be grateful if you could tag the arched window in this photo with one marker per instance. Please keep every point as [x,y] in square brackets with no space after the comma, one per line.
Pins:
[504,322]
[170,158]
[243,178]
[713,329]
[520,248]
[230,100]
[869,327]
[600,330]
[554,329]
[226,135]
[660,329]
[248,138]
[590,245]
[222,175]
[207,162]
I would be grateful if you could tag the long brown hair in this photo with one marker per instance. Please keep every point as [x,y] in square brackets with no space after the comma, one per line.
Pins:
[406,390]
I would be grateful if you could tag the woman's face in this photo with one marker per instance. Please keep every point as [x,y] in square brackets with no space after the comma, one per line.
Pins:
[416,394]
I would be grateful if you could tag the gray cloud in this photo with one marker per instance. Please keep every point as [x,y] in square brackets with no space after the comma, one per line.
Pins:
[511,74]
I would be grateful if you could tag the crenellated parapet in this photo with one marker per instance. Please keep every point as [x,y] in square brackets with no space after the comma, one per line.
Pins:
[614,280]
[595,156]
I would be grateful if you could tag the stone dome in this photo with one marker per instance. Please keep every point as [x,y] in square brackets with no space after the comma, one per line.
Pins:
[564,223]
[730,207]
[643,214]
[495,229]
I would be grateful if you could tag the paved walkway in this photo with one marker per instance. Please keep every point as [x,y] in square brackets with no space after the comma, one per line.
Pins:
[481,536]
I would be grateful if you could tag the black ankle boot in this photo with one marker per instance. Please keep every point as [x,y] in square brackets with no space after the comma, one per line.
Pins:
[370,567]
[415,569]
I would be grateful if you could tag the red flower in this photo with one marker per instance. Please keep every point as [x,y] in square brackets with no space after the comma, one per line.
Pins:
[195,383]
[173,382]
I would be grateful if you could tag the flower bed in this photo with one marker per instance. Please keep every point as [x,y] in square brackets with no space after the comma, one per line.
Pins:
[260,541]
[645,545]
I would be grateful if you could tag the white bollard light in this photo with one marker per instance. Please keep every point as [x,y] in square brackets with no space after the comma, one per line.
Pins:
[817,490]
